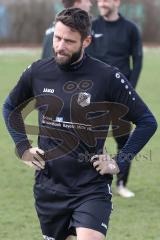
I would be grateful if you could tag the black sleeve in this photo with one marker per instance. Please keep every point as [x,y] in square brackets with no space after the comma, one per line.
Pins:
[47,50]
[23,89]
[136,54]
[122,93]
[12,108]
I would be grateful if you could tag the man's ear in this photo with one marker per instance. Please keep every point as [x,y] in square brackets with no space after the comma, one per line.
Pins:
[87,41]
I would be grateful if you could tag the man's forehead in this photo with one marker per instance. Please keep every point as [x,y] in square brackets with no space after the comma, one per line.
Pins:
[63,30]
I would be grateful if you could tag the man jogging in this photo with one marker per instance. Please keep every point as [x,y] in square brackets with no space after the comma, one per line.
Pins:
[117,41]
[47,50]
[73,179]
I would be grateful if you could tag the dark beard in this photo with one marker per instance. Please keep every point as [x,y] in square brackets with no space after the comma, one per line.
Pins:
[109,13]
[74,58]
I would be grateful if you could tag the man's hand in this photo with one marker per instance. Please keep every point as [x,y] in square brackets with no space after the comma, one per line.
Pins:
[33,157]
[104,164]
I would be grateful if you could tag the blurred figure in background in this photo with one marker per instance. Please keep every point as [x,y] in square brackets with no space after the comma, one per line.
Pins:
[48,38]
[117,41]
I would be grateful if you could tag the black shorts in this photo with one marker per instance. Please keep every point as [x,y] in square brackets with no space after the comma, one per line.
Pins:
[60,213]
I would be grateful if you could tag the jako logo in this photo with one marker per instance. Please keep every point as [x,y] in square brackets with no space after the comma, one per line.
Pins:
[47,90]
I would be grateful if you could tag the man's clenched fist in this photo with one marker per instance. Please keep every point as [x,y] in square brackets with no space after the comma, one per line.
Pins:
[33,157]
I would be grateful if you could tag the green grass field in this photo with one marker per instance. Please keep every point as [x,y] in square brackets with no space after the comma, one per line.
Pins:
[132,219]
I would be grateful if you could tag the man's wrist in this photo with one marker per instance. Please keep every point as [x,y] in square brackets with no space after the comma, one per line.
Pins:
[22,146]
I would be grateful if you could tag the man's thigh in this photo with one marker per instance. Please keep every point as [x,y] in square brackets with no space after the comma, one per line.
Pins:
[89,234]
[91,217]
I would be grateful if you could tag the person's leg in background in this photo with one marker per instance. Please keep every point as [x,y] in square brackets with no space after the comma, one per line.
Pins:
[122,179]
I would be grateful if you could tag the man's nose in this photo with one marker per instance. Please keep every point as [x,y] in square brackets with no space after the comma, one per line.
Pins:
[61,45]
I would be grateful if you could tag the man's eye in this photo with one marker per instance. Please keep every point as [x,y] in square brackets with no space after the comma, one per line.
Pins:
[58,38]
[69,41]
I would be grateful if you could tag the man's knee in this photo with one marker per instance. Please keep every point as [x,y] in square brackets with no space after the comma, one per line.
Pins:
[89,234]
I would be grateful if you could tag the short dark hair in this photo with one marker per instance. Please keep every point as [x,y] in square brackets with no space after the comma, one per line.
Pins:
[69,3]
[77,19]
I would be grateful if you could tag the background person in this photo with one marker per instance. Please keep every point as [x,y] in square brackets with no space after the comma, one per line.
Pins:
[117,41]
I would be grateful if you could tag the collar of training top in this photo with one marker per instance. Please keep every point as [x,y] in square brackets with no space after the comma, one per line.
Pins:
[74,66]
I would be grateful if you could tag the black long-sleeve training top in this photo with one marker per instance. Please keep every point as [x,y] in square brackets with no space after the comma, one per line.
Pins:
[118,43]
[76,106]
